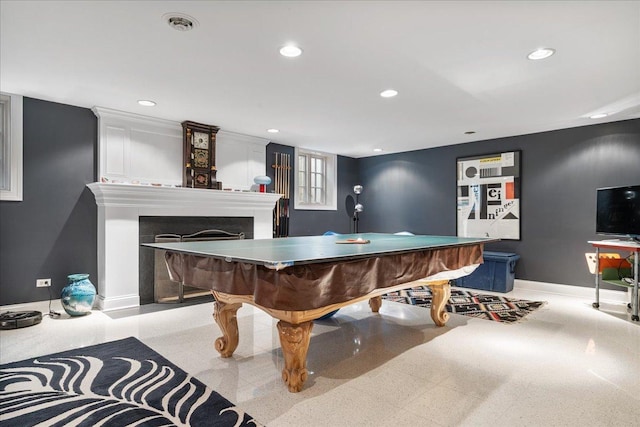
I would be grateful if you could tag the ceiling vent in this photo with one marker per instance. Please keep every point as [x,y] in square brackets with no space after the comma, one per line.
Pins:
[179,21]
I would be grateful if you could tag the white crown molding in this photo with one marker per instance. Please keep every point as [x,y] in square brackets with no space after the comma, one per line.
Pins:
[107,113]
[243,138]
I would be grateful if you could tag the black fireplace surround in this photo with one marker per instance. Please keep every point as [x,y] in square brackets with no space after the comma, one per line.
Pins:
[151,226]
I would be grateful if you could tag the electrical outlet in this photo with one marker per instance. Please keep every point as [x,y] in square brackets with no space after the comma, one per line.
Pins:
[43,283]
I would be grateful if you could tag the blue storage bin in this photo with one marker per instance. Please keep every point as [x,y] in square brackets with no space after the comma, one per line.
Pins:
[496,274]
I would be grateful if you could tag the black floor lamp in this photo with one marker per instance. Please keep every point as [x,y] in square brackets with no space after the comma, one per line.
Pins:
[357,208]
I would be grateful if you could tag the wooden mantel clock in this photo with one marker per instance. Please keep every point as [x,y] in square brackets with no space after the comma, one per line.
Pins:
[200,155]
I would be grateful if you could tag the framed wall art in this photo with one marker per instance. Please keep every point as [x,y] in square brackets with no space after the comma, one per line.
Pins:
[488,195]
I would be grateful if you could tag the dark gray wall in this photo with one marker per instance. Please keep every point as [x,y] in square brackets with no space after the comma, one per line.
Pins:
[52,232]
[310,222]
[561,171]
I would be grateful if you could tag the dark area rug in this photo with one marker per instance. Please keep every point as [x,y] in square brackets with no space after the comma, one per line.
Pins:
[119,383]
[472,304]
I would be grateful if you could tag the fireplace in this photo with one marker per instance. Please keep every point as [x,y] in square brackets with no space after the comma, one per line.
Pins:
[120,207]
[134,150]
[166,290]
[154,282]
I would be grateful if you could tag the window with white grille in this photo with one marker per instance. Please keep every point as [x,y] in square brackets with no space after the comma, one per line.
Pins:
[10,147]
[315,180]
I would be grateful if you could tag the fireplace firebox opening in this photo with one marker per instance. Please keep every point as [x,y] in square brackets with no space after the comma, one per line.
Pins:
[154,282]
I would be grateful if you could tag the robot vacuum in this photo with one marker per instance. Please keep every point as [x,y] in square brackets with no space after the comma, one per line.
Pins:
[19,319]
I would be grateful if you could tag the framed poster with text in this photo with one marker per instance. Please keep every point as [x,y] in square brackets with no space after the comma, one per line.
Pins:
[488,195]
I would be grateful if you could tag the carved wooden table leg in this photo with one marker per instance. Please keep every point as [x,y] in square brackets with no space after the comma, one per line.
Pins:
[441,291]
[294,340]
[225,316]
[375,303]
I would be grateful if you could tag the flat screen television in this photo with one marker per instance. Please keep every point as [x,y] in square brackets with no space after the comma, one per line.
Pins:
[618,211]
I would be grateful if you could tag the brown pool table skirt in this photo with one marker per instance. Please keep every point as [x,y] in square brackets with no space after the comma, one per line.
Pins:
[315,285]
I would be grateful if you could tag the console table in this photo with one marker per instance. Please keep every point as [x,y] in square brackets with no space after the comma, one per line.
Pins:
[619,245]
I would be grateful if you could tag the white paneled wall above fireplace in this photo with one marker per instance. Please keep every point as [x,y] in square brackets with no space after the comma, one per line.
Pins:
[146,150]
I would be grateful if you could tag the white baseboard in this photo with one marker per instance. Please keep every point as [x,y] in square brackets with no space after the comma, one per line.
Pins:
[621,296]
[42,306]
[117,303]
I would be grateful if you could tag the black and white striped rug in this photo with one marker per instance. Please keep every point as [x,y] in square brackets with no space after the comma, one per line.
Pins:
[119,383]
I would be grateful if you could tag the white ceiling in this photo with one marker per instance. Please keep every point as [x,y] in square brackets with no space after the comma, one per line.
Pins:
[459,66]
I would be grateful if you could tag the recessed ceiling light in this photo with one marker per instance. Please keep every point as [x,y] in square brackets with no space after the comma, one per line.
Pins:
[180,21]
[377,150]
[389,93]
[290,51]
[273,130]
[598,116]
[146,103]
[541,53]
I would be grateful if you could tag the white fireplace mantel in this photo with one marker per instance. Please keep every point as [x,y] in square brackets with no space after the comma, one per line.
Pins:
[120,207]
[151,197]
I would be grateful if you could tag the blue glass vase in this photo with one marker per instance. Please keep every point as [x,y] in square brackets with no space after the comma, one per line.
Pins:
[79,295]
